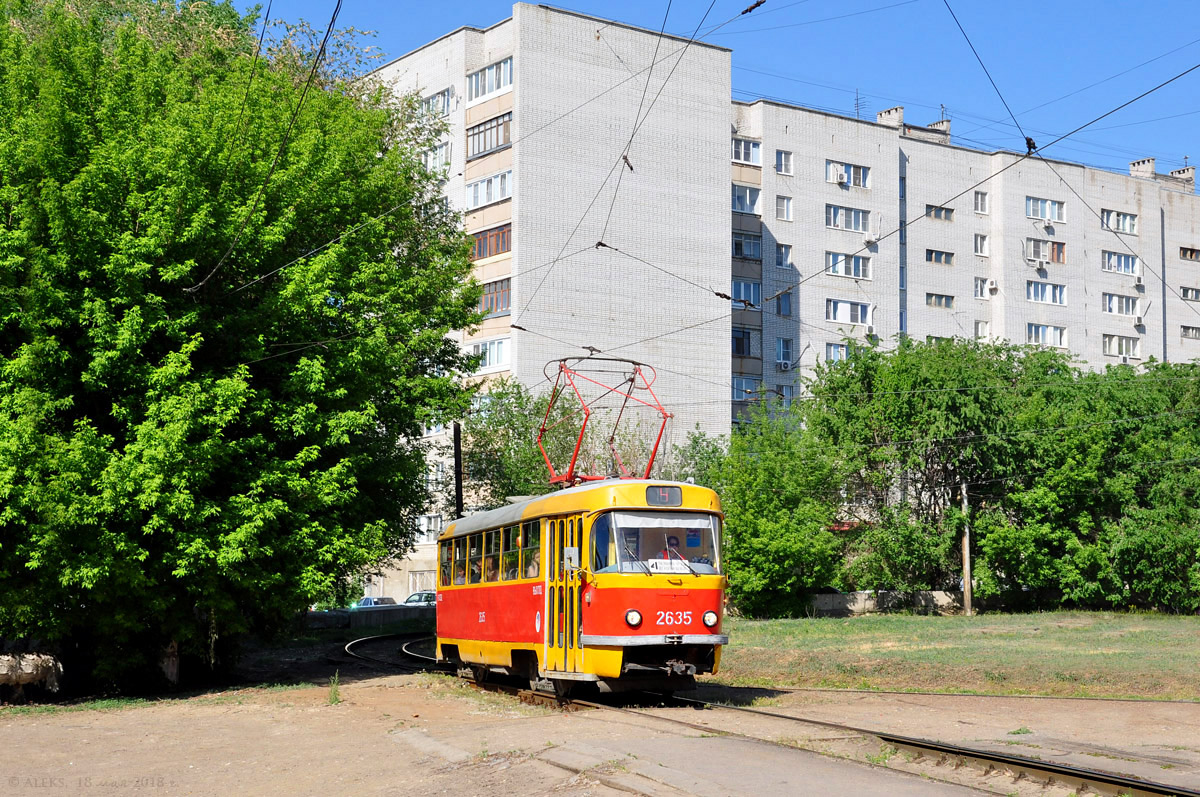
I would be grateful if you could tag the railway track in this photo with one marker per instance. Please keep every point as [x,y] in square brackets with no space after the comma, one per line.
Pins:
[939,754]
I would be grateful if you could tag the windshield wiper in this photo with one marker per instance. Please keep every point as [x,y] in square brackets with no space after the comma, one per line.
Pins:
[683,559]
[633,558]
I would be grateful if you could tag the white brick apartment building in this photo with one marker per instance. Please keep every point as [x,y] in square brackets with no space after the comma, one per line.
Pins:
[820,226]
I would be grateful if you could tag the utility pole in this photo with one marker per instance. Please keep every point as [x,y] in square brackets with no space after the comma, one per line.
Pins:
[966,551]
[458,471]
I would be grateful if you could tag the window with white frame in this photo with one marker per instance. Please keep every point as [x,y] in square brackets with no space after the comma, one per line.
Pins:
[1118,262]
[437,158]
[1121,346]
[1190,294]
[783,161]
[747,245]
[489,136]
[783,350]
[836,352]
[981,329]
[490,80]
[745,199]
[939,300]
[940,213]
[1052,251]
[489,190]
[1189,332]
[439,104]
[840,218]
[981,288]
[493,354]
[847,312]
[938,256]
[786,394]
[430,526]
[783,255]
[847,174]
[1117,304]
[1046,335]
[783,304]
[844,265]
[1118,221]
[783,208]
[981,244]
[745,387]
[1044,209]
[747,295]
[1045,292]
[746,151]
[981,202]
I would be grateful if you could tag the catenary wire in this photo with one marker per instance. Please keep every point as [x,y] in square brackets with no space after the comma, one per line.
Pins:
[815,21]
[983,66]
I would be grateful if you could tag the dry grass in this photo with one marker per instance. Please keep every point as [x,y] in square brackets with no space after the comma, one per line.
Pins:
[1062,653]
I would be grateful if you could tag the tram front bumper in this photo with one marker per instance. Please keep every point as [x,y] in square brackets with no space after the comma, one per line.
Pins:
[653,639]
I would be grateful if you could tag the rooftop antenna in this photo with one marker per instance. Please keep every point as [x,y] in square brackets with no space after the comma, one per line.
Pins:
[943,112]
[857,105]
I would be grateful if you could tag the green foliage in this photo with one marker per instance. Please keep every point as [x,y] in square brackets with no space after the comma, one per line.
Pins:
[208,412]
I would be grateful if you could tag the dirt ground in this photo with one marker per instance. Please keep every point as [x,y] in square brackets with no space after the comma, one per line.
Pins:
[428,734]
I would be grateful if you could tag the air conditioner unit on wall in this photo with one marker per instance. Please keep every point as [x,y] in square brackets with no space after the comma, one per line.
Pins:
[869,239]
[1138,280]
[991,285]
[842,178]
[783,365]
[870,329]
[1137,322]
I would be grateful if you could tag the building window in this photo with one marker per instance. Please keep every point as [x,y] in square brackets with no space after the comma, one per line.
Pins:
[1045,292]
[747,245]
[836,352]
[1046,335]
[747,295]
[939,212]
[783,161]
[745,199]
[1120,346]
[1190,294]
[437,158]
[981,288]
[496,298]
[495,241]
[783,255]
[939,300]
[741,342]
[936,256]
[1051,251]
[490,79]
[783,304]
[981,202]
[843,265]
[438,104]
[1045,209]
[981,245]
[1118,263]
[489,136]
[1058,252]
[783,350]
[1119,305]
[786,394]
[745,387]
[840,218]
[746,151]
[981,329]
[904,278]
[489,190]
[783,208]
[1188,253]
[846,174]
[1190,332]
[493,354]
[1119,222]
[847,312]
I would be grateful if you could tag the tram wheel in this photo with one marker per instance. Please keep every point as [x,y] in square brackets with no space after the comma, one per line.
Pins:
[562,688]
[479,673]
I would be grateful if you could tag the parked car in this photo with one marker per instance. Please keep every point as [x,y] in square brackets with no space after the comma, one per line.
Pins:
[421,599]
[368,601]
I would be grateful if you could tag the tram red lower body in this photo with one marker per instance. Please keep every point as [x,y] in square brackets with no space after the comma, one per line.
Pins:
[493,613]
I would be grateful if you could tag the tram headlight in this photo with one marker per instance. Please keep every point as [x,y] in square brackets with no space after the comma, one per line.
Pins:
[710,618]
[633,617]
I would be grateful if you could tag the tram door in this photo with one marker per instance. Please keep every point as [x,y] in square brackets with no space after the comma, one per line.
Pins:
[562,628]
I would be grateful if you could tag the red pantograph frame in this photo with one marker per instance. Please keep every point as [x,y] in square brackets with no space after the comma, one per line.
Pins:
[567,376]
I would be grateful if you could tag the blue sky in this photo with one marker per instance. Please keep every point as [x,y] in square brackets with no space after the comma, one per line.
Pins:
[910,52]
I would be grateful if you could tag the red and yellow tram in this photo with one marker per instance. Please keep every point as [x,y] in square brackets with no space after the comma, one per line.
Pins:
[614,582]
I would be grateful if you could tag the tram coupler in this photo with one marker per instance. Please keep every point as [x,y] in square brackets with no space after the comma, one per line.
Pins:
[678,667]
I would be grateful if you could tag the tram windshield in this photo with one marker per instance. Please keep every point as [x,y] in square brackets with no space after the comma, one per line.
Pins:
[655,542]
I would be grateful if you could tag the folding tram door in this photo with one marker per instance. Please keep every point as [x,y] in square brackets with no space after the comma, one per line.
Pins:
[564,594]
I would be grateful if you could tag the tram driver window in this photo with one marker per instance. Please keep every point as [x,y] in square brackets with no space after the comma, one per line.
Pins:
[656,541]
[604,546]
[444,562]
[510,557]
[460,560]
[474,558]
[531,553]
[491,556]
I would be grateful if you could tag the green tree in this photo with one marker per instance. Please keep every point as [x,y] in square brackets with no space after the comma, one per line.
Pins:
[212,384]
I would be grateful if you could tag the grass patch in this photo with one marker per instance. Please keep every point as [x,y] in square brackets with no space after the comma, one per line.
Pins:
[334,695]
[1083,654]
[1019,731]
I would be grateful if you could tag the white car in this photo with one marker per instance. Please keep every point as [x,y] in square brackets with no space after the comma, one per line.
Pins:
[421,599]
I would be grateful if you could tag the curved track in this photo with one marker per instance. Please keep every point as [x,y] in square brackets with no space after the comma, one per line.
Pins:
[406,659]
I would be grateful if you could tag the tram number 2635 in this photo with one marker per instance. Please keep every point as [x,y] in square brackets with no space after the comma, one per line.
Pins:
[673,618]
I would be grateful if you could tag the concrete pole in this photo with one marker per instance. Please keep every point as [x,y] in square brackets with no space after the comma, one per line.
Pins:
[966,551]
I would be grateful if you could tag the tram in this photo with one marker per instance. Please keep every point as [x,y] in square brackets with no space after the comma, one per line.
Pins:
[616,582]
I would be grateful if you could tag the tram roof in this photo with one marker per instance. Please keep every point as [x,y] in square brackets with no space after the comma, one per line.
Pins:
[515,512]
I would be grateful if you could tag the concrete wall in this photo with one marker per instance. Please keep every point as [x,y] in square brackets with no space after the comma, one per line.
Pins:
[852,603]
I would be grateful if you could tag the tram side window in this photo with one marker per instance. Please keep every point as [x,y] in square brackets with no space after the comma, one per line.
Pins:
[531,553]
[474,558]
[444,562]
[460,560]
[491,555]
[604,545]
[511,555]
